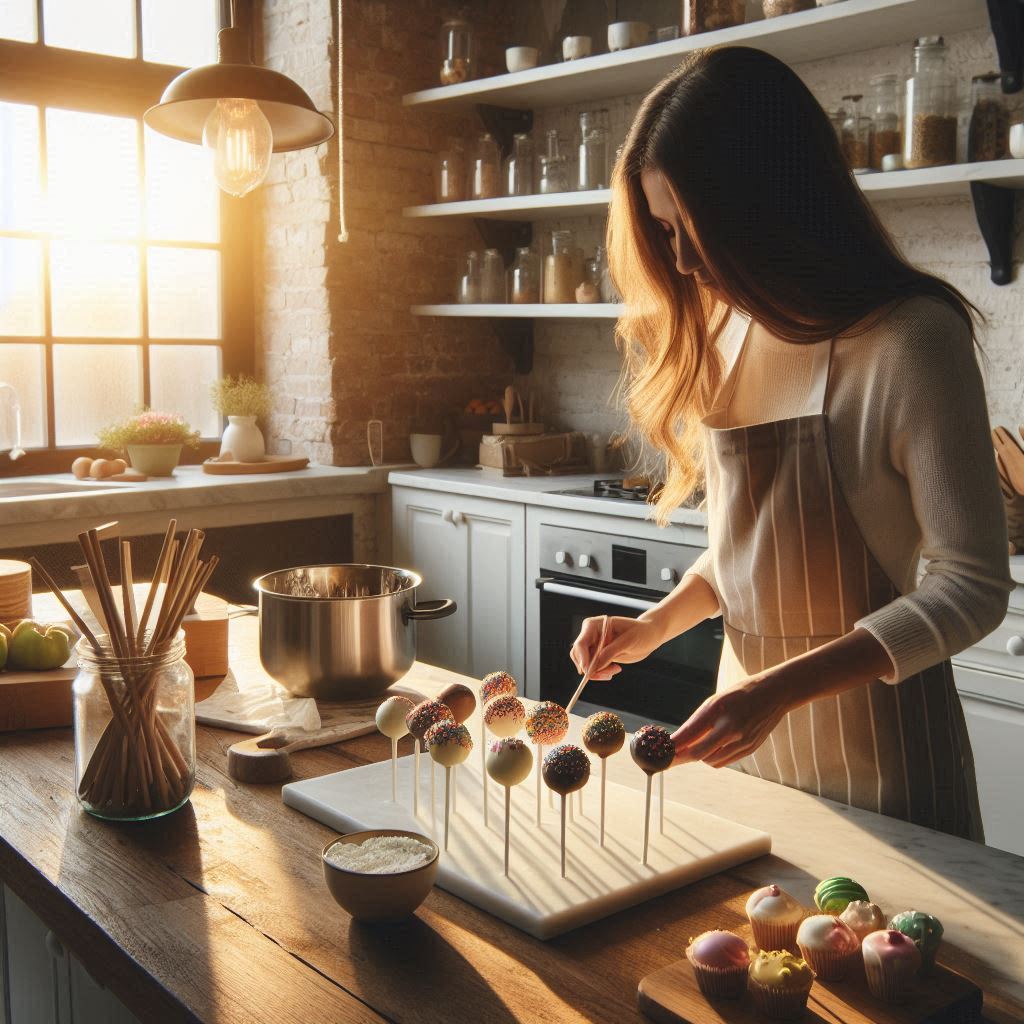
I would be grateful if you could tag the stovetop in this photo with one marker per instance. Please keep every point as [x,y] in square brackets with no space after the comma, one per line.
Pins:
[631,489]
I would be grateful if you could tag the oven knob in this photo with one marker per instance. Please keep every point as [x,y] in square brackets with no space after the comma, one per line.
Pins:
[561,558]
[668,575]
[585,562]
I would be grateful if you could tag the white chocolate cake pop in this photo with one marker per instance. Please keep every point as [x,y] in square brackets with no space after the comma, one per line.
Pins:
[449,743]
[390,717]
[505,716]
[509,762]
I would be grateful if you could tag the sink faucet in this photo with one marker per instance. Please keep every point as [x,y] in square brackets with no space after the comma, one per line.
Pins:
[10,421]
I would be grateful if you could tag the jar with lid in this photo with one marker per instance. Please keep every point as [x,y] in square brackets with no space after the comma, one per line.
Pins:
[988,132]
[710,15]
[524,277]
[456,52]
[485,169]
[884,111]
[589,289]
[111,696]
[519,166]
[468,283]
[592,165]
[560,277]
[856,134]
[450,173]
[837,117]
[929,120]
[775,8]
[492,277]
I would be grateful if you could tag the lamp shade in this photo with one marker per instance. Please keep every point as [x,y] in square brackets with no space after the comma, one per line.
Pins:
[189,99]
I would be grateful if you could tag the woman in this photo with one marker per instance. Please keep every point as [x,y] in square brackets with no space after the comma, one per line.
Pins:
[849,439]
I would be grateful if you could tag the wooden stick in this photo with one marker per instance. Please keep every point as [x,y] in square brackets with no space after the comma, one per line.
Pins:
[158,573]
[416,780]
[540,758]
[661,803]
[604,779]
[65,603]
[483,762]
[447,800]
[590,667]
[128,595]
[563,835]
[508,808]
[647,821]
[394,770]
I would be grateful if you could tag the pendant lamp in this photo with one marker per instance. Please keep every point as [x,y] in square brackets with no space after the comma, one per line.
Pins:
[240,111]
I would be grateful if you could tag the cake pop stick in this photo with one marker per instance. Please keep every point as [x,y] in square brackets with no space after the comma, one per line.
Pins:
[494,684]
[449,744]
[653,751]
[418,721]
[603,735]
[661,803]
[546,724]
[590,668]
[461,702]
[566,770]
[509,762]
[390,720]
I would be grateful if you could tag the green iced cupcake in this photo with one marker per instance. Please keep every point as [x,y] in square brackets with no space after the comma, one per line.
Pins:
[834,895]
[925,930]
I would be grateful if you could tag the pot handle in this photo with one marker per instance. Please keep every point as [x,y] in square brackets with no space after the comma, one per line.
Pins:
[439,609]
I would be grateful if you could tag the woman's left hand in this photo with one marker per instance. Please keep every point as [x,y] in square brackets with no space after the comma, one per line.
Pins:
[730,725]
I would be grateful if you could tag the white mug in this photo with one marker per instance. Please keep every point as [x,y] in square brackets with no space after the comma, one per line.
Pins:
[574,47]
[622,35]
[519,58]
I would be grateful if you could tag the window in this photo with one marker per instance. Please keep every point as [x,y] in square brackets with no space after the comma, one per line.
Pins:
[121,267]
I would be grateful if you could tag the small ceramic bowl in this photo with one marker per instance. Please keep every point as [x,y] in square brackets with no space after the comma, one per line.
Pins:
[1017,140]
[519,58]
[377,899]
[574,47]
[622,35]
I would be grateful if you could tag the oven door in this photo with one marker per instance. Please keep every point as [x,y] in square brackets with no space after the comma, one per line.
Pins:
[666,687]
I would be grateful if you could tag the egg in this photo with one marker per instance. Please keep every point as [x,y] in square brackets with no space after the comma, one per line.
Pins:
[80,467]
[118,466]
[99,469]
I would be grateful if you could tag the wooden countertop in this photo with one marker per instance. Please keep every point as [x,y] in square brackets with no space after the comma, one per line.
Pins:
[219,912]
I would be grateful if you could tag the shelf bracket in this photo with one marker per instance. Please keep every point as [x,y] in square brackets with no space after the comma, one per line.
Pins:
[1007,20]
[505,235]
[993,207]
[516,337]
[503,123]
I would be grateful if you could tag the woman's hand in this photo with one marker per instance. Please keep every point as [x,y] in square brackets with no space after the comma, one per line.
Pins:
[730,725]
[625,641]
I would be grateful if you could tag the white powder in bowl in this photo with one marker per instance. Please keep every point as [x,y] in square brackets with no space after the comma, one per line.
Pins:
[380,855]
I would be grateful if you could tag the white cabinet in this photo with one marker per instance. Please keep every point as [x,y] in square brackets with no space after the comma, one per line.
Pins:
[471,550]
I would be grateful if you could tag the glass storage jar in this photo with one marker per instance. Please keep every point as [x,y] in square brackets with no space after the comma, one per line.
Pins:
[468,283]
[988,132]
[560,269]
[884,111]
[554,177]
[709,15]
[856,135]
[589,289]
[524,277]
[929,120]
[135,730]
[592,164]
[450,173]
[519,166]
[485,169]
[774,8]
[609,293]
[492,277]
[456,52]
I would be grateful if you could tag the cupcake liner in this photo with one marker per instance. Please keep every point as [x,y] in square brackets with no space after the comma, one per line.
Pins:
[783,1004]
[773,935]
[829,966]
[721,982]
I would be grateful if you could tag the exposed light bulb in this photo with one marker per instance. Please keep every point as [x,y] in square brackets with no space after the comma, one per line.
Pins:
[239,135]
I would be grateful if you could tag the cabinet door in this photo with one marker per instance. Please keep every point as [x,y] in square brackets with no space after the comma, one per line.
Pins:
[39,991]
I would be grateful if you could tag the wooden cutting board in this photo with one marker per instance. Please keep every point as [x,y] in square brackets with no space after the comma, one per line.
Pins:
[671,996]
[270,464]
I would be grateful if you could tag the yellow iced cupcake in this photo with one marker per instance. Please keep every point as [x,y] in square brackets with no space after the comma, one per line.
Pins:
[779,983]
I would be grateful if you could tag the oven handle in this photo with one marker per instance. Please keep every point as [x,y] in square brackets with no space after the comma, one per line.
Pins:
[549,586]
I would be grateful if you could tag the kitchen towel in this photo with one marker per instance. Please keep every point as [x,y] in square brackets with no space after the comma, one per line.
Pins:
[252,702]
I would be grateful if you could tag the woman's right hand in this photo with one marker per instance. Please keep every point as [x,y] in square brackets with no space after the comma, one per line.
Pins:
[626,641]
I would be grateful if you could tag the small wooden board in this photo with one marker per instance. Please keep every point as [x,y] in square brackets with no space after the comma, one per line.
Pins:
[517,429]
[671,996]
[270,464]
[36,700]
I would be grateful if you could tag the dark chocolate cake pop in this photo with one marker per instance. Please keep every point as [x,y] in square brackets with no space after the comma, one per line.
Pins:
[426,714]
[652,748]
[566,769]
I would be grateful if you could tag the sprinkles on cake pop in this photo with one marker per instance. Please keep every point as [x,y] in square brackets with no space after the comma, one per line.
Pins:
[507,744]
[603,732]
[425,714]
[566,768]
[505,707]
[448,732]
[652,748]
[547,723]
[497,684]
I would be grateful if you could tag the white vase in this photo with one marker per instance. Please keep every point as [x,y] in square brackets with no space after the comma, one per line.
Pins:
[243,439]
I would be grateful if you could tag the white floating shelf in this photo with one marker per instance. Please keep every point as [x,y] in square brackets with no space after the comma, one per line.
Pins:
[533,311]
[519,207]
[846,27]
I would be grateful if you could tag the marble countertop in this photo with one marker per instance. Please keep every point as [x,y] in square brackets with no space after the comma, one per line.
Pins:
[533,490]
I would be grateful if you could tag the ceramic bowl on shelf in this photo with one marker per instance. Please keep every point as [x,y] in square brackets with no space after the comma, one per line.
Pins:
[574,47]
[519,58]
[1017,140]
[379,898]
[623,35]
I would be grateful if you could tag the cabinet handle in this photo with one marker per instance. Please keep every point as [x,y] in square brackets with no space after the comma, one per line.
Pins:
[448,516]
[1015,646]
[457,518]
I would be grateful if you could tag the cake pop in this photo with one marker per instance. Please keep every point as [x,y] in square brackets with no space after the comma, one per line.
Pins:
[418,721]
[653,751]
[509,762]
[546,724]
[566,770]
[449,744]
[461,701]
[505,716]
[603,735]
[494,684]
[390,720]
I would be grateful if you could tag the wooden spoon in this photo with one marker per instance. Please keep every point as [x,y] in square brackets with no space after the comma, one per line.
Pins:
[509,402]
[1011,455]
[266,758]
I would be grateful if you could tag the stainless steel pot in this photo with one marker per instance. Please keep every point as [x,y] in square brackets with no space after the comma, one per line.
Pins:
[341,631]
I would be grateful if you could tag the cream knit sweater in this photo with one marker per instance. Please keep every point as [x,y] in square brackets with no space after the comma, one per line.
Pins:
[911,451]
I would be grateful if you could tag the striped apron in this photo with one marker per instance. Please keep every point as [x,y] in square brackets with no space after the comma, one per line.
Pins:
[792,572]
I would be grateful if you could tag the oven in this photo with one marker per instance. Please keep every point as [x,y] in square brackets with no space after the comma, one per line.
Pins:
[585,573]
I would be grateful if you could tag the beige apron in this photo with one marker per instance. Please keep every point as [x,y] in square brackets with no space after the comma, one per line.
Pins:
[792,572]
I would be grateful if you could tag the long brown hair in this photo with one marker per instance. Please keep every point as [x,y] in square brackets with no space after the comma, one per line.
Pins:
[776,218]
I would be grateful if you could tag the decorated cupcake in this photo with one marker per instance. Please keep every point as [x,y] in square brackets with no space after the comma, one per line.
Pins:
[834,895]
[828,945]
[720,962]
[774,916]
[863,918]
[925,930]
[891,960]
[779,983]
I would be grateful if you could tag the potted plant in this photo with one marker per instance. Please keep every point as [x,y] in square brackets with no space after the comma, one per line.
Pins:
[242,399]
[152,440]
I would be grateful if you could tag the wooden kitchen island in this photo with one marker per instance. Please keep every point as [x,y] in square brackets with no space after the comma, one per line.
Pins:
[219,912]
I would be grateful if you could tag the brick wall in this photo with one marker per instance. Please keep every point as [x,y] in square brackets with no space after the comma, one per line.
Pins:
[334,333]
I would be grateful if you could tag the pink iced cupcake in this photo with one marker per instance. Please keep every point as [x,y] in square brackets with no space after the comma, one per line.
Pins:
[863,918]
[891,959]
[774,917]
[720,961]
[828,945]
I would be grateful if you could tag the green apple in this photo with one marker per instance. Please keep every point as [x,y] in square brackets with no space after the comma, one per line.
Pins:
[36,647]
[5,636]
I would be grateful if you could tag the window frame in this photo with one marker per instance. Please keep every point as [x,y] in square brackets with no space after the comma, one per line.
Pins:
[46,76]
